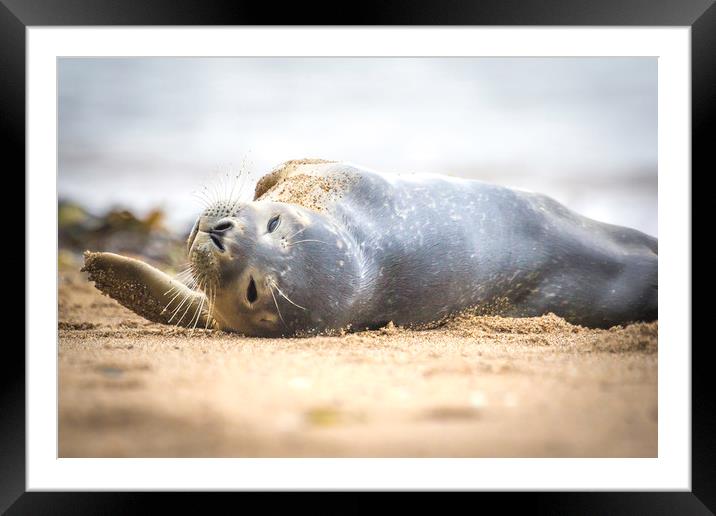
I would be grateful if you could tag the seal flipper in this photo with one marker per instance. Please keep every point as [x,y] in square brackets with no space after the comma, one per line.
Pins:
[145,290]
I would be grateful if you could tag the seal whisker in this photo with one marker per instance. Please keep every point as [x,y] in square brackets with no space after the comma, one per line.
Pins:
[207,294]
[231,193]
[191,283]
[246,183]
[208,191]
[184,277]
[201,199]
[179,292]
[205,194]
[197,315]
[210,307]
[297,233]
[178,279]
[241,182]
[309,240]
[277,309]
[176,310]
[216,189]
[286,297]
[171,300]
[213,305]
[230,187]
[188,306]
[225,185]
[221,188]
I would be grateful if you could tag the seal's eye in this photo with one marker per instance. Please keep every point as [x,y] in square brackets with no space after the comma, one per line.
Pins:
[272,224]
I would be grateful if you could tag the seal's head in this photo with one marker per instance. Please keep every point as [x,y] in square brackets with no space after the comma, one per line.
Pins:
[269,268]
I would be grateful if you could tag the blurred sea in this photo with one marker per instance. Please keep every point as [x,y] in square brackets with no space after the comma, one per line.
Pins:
[145,133]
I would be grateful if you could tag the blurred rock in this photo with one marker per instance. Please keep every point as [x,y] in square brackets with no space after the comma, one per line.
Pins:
[117,231]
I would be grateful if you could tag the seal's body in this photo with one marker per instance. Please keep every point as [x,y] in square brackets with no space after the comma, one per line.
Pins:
[329,245]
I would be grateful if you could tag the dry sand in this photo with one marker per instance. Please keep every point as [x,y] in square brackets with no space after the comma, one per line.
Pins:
[476,387]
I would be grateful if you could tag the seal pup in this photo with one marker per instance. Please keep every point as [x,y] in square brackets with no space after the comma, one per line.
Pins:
[328,246]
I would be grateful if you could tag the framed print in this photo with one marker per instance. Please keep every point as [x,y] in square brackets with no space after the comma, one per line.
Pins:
[417,253]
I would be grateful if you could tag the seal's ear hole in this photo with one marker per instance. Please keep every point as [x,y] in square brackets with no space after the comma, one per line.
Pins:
[251,293]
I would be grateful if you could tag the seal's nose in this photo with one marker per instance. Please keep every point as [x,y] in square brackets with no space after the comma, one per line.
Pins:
[221,226]
[217,232]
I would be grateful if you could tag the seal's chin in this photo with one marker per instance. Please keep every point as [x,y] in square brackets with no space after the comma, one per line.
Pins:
[203,260]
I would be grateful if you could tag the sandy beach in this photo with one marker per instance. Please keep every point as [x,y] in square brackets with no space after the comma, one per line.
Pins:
[475,387]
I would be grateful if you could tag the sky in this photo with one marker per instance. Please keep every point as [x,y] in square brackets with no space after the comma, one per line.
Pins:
[149,132]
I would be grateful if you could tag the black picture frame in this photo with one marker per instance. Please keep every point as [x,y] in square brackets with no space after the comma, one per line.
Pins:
[16,15]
